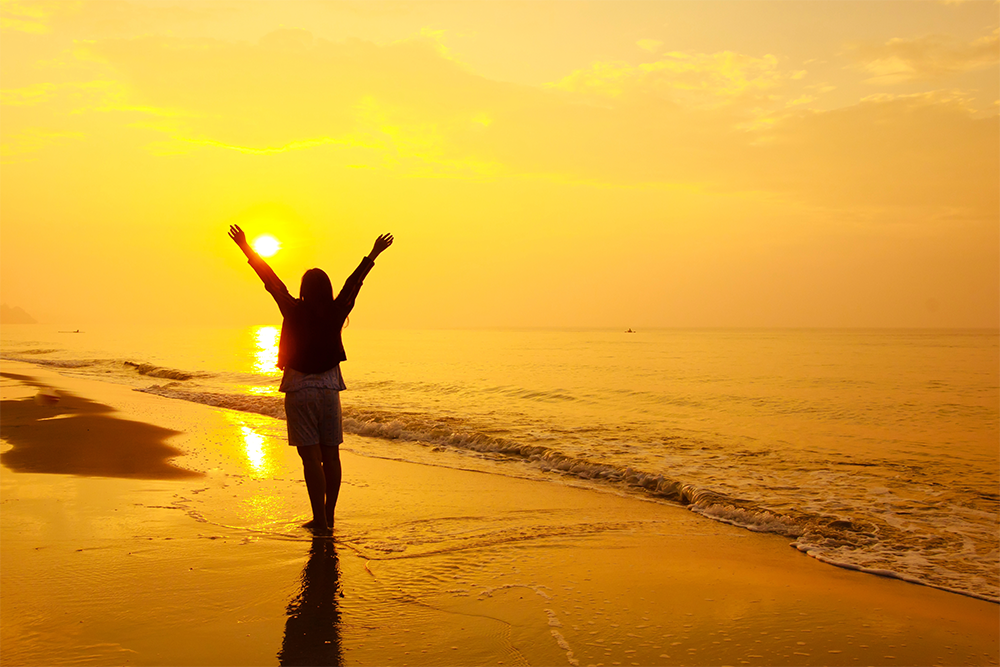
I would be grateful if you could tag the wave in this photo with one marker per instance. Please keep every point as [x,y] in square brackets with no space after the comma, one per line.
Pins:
[826,513]
[270,406]
[54,363]
[850,543]
[877,545]
[148,370]
[159,372]
[425,429]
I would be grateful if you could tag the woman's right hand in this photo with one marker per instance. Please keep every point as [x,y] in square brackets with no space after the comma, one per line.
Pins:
[238,236]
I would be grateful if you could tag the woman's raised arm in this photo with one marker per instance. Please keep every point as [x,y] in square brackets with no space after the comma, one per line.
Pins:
[271,281]
[381,243]
[239,237]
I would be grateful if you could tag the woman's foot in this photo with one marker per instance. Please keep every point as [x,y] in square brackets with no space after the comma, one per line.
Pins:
[317,527]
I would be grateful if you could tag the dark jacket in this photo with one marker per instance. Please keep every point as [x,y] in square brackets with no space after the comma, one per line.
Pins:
[310,338]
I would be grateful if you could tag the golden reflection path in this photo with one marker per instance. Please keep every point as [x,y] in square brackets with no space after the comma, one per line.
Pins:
[265,355]
[256,446]
[253,445]
[259,453]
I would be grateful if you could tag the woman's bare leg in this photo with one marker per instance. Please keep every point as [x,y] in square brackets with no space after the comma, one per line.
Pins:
[332,473]
[312,467]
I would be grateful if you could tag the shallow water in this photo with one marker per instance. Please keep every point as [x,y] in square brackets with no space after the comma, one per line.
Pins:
[871,449]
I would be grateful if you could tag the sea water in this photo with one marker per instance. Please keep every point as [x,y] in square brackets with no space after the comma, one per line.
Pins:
[869,449]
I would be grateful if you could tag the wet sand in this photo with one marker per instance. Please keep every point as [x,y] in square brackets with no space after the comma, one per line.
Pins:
[195,558]
[59,432]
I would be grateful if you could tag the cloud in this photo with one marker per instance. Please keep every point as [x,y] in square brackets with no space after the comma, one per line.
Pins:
[705,80]
[97,17]
[30,17]
[287,83]
[650,45]
[885,151]
[27,95]
[404,105]
[78,93]
[620,174]
[925,149]
[928,57]
[720,122]
[41,115]
[31,140]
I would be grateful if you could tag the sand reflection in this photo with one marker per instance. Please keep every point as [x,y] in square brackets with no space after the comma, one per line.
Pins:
[312,630]
[253,446]
[256,447]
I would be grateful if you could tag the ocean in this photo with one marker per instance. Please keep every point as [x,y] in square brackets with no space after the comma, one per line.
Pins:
[874,450]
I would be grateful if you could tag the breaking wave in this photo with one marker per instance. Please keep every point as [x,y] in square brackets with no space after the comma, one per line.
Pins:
[853,544]
[839,531]
[158,372]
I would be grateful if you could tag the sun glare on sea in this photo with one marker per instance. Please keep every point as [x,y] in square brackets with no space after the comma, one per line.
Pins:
[265,356]
[266,245]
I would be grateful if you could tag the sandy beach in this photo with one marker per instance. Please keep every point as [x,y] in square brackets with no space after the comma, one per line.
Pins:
[668,332]
[139,530]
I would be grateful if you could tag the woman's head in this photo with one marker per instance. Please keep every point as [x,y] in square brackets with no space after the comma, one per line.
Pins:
[316,289]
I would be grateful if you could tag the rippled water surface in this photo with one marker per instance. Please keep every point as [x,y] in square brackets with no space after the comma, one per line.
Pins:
[871,449]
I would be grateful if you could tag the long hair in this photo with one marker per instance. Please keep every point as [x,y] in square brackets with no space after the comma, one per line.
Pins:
[316,290]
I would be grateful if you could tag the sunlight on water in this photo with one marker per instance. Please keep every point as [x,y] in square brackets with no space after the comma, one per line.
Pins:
[261,391]
[265,355]
[875,449]
[262,509]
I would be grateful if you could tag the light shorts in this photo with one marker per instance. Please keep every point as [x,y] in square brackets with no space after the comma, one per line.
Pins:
[314,417]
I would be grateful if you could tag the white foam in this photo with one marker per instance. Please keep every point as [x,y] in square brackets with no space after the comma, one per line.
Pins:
[759,521]
[870,544]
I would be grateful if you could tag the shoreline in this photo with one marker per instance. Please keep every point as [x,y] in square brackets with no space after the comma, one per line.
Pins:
[535,573]
[842,459]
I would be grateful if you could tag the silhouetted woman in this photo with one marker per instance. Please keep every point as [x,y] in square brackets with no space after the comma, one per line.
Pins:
[309,352]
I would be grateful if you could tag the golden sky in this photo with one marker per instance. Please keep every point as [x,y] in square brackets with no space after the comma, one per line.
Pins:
[596,164]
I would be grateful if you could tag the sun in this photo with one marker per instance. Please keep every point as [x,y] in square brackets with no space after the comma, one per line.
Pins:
[266,245]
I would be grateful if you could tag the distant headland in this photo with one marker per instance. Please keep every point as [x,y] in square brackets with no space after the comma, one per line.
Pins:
[15,315]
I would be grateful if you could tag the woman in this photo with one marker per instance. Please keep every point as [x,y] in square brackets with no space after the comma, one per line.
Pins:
[309,353]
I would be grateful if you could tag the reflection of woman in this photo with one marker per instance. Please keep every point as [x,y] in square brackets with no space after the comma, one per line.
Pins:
[312,631]
[309,352]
